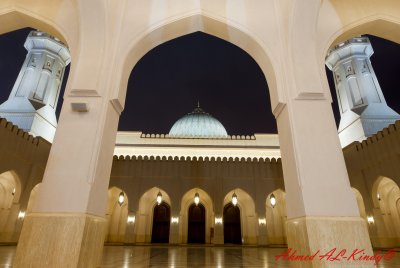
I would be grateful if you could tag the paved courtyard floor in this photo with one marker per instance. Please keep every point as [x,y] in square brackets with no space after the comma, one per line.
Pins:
[191,256]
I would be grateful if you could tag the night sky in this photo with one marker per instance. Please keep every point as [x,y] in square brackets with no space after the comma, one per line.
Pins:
[168,82]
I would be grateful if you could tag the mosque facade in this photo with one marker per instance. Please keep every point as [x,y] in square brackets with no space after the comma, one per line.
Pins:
[333,197]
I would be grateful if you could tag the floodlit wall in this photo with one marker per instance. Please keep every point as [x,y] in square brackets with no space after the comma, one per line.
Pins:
[22,163]
[374,170]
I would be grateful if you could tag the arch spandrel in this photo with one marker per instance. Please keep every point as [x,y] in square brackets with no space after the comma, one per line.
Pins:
[341,20]
[222,28]
[58,19]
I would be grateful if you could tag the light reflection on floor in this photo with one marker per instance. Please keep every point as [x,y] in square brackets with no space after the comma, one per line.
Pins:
[188,256]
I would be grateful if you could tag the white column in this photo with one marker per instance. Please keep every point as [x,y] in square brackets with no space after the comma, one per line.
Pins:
[363,108]
[33,99]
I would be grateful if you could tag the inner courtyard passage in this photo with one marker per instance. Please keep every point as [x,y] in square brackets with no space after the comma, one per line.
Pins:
[196,256]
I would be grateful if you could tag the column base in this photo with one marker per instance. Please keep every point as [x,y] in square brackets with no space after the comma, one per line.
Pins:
[331,240]
[60,240]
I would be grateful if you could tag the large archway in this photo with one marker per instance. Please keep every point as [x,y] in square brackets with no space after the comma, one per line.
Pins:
[148,207]
[191,23]
[117,215]
[188,200]
[385,198]
[248,217]
[276,217]
[10,192]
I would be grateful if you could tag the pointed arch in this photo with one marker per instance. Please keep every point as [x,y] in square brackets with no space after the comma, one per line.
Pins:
[186,202]
[247,214]
[190,23]
[385,199]
[144,215]
[117,215]
[276,217]
[10,192]
[17,18]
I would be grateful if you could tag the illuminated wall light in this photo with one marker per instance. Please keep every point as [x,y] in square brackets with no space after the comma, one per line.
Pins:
[175,220]
[159,198]
[262,221]
[378,196]
[13,191]
[272,200]
[196,199]
[218,220]
[131,219]
[121,198]
[21,215]
[234,199]
[370,219]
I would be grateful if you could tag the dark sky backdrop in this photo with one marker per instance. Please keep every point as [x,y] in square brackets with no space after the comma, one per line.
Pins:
[168,81]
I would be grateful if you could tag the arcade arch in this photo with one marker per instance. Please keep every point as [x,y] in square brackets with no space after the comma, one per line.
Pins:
[10,191]
[276,217]
[191,23]
[386,207]
[248,216]
[117,215]
[186,202]
[145,213]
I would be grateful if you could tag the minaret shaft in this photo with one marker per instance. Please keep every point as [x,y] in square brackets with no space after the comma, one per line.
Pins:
[363,108]
[33,99]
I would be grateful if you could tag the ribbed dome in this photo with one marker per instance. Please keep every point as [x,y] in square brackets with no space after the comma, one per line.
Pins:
[198,124]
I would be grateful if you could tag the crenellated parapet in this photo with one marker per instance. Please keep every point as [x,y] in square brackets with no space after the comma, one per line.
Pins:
[198,159]
[373,158]
[167,136]
[15,131]
[392,132]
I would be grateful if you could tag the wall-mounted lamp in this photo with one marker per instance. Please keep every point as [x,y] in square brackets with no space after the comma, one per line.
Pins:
[370,220]
[196,198]
[218,220]
[13,191]
[159,198]
[234,199]
[131,219]
[262,221]
[21,215]
[379,197]
[174,220]
[121,198]
[272,200]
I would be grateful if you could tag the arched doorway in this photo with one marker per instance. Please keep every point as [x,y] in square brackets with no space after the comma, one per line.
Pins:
[10,191]
[117,214]
[186,203]
[232,227]
[161,220]
[276,217]
[144,224]
[197,224]
[385,197]
[246,217]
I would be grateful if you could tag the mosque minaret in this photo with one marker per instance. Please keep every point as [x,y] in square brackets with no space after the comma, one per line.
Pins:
[33,100]
[363,108]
